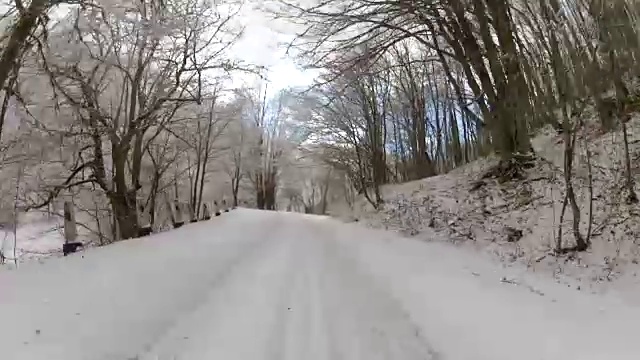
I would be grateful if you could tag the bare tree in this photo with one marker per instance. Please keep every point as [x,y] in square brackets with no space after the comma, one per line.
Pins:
[125,82]
[237,149]
[267,117]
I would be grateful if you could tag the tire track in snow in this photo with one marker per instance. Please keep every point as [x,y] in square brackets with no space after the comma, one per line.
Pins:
[337,312]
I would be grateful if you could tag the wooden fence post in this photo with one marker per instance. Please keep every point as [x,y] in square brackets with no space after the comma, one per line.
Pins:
[178,216]
[144,220]
[206,215]
[192,214]
[216,208]
[70,231]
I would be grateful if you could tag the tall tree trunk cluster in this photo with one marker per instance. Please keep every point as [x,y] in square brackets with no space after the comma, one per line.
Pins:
[488,73]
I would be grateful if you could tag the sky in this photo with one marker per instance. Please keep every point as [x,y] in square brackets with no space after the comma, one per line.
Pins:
[261,45]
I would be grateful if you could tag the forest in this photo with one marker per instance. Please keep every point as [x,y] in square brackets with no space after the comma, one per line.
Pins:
[124,108]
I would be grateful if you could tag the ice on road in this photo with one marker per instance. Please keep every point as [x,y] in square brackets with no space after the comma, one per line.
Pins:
[253,285]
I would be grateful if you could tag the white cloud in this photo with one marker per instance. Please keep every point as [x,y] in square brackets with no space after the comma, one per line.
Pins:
[263,43]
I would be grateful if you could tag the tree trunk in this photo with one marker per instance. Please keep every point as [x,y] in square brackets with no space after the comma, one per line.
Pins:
[195,182]
[235,186]
[205,159]
[123,199]
[25,25]
[153,195]
[126,215]
[513,93]
[260,191]
[270,191]
[325,193]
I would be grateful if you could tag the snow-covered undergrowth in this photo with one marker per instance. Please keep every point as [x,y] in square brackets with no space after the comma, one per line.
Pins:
[518,221]
[33,241]
[36,237]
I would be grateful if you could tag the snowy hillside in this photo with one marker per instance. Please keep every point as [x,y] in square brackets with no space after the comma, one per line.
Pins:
[518,221]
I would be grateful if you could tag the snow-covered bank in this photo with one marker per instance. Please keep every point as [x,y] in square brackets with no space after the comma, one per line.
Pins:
[518,221]
[261,285]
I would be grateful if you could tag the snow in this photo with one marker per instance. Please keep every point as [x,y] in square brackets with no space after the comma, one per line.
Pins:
[265,285]
[35,240]
[473,309]
[481,219]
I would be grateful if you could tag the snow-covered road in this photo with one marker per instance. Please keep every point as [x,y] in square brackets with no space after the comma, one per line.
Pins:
[253,285]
